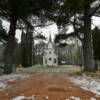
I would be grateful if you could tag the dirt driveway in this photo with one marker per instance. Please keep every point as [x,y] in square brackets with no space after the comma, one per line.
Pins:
[46,86]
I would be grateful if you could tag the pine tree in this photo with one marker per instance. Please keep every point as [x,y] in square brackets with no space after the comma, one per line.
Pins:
[14,11]
[96,46]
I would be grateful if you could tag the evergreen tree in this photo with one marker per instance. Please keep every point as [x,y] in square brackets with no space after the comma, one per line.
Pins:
[23,50]
[14,11]
[3,33]
[96,46]
[81,20]
[29,43]
[96,43]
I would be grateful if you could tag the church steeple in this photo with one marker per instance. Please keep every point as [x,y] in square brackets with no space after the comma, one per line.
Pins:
[50,58]
[50,39]
[50,43]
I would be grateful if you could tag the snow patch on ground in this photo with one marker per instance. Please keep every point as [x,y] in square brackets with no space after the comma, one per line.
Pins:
[93,99]
[74,98]
[23,97]
[5,79]
[87,83]
[19,98]
[78,98]
[33,97]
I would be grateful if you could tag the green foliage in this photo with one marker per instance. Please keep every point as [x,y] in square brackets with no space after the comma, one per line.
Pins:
[96,43]
[23,50]
[8,7]
[17,55]
[62,44]
[26,49]
[21,9]
[74,5]
[40,36]
[3,33]
[63,36]
[59,37]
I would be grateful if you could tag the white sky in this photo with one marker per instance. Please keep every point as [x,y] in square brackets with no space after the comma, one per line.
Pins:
[52,29]
[96,21]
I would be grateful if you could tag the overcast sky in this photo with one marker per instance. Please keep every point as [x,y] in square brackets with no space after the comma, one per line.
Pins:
[52,29]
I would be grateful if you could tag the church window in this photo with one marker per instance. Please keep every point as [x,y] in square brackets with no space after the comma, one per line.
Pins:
[46,61]
[50,59]
[50,52]
[54,60]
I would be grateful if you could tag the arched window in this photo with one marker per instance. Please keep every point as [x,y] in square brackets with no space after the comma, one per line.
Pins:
[50,58]
[46,60]
[49,52]
[55,60]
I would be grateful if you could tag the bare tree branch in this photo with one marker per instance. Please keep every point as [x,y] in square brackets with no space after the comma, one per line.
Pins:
[32,27]
[94,11]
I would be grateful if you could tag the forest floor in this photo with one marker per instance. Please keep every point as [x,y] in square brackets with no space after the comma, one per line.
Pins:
[47,86]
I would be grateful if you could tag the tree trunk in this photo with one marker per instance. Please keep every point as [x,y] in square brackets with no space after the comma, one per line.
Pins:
[8,67]
[33,54]
[23,50]
[29,39]
[96,65]
[87,43]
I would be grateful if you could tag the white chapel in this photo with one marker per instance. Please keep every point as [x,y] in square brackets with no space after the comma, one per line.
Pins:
[50,57]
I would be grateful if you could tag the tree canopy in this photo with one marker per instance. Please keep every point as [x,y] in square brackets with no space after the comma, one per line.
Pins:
[3,33]
[77,13]
[96,43]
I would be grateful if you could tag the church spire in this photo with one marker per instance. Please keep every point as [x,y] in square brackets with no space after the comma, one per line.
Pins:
[50,43]
[50,39]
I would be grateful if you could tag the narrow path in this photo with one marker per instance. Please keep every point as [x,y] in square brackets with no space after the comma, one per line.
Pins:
[46,86]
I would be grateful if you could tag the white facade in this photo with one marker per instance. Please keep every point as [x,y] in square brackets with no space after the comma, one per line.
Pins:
[50,58]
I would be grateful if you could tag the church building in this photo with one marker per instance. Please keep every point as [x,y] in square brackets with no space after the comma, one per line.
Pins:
[50,57]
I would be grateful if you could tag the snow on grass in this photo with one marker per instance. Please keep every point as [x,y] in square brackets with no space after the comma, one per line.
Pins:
[5,79]
[87,83]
